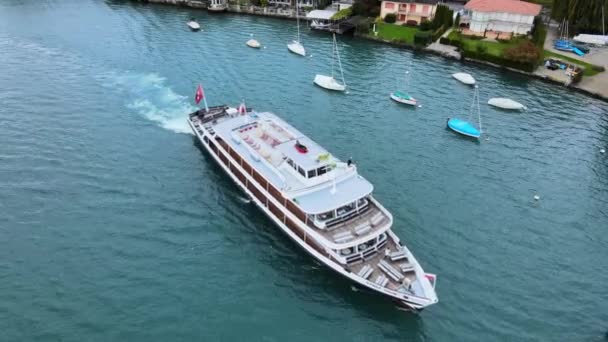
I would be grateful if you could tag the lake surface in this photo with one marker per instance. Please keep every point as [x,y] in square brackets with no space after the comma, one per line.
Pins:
[114,225]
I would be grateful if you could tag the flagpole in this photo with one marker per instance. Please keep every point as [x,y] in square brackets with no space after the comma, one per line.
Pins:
[205,101]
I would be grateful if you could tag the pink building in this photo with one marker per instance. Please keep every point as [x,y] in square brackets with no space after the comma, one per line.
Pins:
[409,11]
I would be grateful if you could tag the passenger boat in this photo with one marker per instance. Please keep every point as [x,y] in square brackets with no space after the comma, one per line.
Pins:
[320,202]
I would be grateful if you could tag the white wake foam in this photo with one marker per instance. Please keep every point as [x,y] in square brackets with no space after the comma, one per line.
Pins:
[149,96]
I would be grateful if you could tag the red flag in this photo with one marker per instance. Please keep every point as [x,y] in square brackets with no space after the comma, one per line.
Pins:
[199,94]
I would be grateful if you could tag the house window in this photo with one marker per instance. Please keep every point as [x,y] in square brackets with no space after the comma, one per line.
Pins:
[389,5]
[402,17]
[425,9]
[403,7]
[412,8]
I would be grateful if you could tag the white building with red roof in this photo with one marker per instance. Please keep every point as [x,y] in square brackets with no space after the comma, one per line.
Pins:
[512,16]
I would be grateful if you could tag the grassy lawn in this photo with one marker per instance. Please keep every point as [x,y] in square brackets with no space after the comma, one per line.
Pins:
[492,48]
[395,32]
[588,67]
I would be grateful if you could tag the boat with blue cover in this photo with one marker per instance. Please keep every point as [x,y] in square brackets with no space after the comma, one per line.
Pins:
[465,127]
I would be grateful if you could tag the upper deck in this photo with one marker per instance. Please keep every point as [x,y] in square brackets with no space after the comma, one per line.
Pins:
[293,163]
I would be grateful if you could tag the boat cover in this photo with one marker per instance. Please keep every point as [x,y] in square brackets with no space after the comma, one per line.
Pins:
[463,127]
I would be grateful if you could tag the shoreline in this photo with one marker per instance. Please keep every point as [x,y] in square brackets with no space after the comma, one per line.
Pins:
[251,10]
[575,87]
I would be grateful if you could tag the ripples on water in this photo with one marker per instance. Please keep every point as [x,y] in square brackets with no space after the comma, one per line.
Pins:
[114,227]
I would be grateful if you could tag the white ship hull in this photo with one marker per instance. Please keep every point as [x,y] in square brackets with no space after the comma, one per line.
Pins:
[411,303]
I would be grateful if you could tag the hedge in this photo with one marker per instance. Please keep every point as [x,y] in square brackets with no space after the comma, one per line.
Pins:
[529,67]
[423,37]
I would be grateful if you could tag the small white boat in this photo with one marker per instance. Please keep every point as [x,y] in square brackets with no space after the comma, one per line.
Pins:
[296,45]
[505,103]
[297,48]
[402,96]
[329,82]
[253,43]
[193,25]
[464,78]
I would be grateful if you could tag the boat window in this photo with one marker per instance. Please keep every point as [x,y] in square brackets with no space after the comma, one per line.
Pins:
[325,216]
[290,162]
[361,202]
[312,173]
[321,170]
[301,171]
[346,209]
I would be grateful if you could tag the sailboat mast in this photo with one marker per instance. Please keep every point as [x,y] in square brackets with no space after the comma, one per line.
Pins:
[298,20]
[478,109]
[339,61]
[333,55]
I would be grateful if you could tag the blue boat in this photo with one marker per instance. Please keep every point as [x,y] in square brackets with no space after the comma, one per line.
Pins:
[463,127]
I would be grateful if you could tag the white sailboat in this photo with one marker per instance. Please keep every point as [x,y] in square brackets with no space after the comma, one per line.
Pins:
[252,43]
[402,96]
[193,25]
[329,82]
[505,103]
[296,45]
[464,78]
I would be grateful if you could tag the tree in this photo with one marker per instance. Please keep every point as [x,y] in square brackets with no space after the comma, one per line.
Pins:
[366,8]
[582,15]
[457,21]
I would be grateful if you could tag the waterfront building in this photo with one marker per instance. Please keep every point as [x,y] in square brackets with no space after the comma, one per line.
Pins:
[499,16]
[409,11]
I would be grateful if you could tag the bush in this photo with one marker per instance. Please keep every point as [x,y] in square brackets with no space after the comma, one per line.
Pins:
[524,52]
[481,48]
[343,14]
[457,21]
[426,25]
[411,23]
[390,18]
[423,37]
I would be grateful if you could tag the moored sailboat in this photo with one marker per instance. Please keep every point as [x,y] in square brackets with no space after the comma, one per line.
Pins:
[464,127]
[402,96]
[296,45]
[329,82]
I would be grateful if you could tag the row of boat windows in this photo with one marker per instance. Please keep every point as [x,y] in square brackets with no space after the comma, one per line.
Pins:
[310,173]
[342,211]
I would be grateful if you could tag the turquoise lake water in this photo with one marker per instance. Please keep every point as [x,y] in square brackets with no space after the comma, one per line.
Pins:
[115,226]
